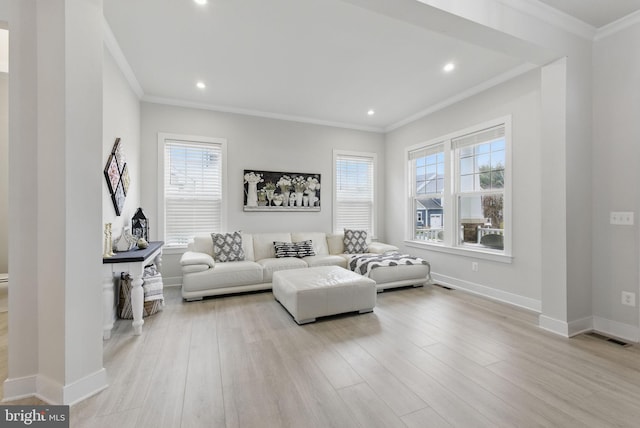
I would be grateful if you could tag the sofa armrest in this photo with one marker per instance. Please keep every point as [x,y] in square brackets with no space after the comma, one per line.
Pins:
[380,248]
[192,261]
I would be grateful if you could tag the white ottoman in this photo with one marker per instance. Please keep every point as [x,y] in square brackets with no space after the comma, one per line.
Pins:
[315,292]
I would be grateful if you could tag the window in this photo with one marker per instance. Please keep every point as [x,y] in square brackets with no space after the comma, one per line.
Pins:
[191,190]
[460,190]
[354,201]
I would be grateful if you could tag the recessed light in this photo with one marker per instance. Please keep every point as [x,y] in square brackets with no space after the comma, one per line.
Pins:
[201,2]
[201,85]
[371,112]
[449,67]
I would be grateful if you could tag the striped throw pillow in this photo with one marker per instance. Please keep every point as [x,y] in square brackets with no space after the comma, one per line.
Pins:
[285,249]
[294,249]
[305,248]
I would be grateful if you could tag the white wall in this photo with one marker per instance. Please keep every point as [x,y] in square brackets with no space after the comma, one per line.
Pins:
[121,119]
[520,281]
[4,172]
[260,144]
[616,175]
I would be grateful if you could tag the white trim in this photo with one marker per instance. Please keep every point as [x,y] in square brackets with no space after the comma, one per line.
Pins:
[552,16]
[162,137]
[583,325]
[461,251]
[485,291]
[616,329]
[487,84]
[113,47]
[619,25]
[20,387]
[257,113]
[50,391]
[553,325]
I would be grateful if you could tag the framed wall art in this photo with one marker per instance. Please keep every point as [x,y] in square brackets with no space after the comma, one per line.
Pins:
[117,175]
[281,191]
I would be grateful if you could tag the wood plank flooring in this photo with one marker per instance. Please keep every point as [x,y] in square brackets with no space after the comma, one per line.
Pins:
[426,357]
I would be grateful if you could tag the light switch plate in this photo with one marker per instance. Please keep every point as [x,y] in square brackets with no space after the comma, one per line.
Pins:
[621,218]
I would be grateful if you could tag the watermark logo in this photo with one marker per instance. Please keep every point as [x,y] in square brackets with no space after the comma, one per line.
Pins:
[34,416]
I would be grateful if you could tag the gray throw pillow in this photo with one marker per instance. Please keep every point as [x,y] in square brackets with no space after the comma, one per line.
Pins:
[227,247]
[355,241]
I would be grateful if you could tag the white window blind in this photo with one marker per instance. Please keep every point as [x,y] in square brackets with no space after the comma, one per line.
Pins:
[192,190]
[354,192]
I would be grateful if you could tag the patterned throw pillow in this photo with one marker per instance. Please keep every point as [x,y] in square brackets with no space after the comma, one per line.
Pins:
[227,247]
[285,249]
[305,248]
[294,249]
[355,241]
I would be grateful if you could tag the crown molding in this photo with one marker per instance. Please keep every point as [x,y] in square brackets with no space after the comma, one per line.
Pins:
[501,78]
[553,16]
[113,47]
[619,25]
[257,113]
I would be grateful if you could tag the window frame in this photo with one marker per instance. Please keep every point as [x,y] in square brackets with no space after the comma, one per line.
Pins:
[161,206]
[450,243]
[373,157]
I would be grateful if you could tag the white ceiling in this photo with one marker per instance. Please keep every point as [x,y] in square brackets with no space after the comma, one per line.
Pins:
[596,13]
[324,61]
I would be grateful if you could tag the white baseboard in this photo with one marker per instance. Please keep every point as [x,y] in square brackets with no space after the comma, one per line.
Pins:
[52,392]
[564,328]
[20,387]
[171,281]
[617,329]
[553,325]
[492,293]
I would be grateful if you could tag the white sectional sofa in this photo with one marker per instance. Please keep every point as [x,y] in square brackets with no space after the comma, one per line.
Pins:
[202,276]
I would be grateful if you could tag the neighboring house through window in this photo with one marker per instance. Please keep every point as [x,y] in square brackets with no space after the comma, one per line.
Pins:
[460,190]
[191,177]
[354,194]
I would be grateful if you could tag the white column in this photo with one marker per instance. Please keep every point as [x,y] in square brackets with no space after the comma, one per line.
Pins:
[55,317]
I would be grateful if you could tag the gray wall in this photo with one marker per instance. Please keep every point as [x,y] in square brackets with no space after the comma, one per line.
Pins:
[4,172]
[616,175]
[121,118]
[520,281]
[254,143]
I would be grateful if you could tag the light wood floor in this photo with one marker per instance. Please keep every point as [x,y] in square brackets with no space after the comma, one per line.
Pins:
[426,357]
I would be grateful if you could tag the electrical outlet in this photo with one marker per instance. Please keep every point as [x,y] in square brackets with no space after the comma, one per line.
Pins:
[474,266]
[621,218]
[628,298]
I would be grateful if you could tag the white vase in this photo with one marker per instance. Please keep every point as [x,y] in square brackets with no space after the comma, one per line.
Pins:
[284,193]
[299,196]
[312,197]
[252,194]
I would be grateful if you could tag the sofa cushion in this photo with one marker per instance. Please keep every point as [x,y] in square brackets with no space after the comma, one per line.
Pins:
[263,244]
[326,260]
[224,275]
[335,242]
[227,247]
[355,241]
[272,265]
[319,240]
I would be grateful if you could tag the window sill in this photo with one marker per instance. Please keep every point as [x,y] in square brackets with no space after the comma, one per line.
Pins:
[475,254]
[174,250]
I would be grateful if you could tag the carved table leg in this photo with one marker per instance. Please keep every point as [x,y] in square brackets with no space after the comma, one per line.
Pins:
[108,304]
[137,301]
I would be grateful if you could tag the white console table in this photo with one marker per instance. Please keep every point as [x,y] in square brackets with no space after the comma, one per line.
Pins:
[132,262]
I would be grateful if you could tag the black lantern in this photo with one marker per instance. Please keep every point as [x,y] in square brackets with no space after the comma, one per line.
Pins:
[140,225]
